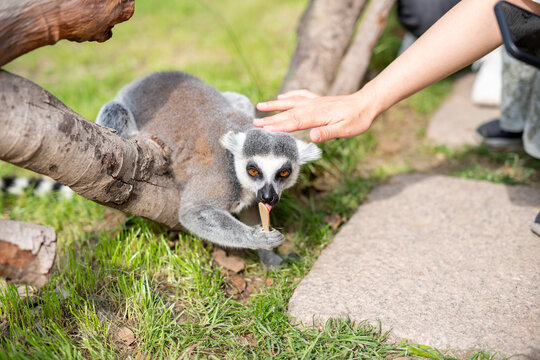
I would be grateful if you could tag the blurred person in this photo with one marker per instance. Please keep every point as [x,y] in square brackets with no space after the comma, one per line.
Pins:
[417,16]
[519,124]
[502,80]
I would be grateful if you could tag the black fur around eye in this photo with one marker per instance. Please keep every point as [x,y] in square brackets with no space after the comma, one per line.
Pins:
[283,173]
[253,171]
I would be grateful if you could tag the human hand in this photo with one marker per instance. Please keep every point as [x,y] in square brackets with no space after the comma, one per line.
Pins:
[328,117]
[298,94]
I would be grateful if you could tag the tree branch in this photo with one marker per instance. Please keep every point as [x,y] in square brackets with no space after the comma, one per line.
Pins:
[324,33]
[356,61]
[28,24]
[41,134]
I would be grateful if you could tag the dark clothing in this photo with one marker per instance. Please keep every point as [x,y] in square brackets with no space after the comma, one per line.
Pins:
[418,15]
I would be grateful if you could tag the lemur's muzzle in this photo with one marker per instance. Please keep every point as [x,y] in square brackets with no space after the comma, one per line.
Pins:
[268,196]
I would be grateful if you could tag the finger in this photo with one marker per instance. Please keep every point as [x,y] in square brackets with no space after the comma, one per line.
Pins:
[276,105]
[270,120]
[328,132]
[296,94]
[286,121]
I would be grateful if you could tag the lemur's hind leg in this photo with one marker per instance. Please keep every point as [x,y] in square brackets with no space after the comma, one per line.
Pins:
[240,102]
[117,116]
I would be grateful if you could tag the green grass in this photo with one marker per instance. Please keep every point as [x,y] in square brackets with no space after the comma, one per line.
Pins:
[164,287]
[483,163]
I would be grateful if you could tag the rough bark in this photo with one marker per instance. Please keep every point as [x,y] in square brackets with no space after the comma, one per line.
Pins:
[326,59]
[28,24]
[41,134]
[27,252]
[324,33]
[355,63]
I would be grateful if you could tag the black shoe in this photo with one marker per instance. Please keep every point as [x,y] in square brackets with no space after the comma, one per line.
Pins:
[492,135]
[535,226]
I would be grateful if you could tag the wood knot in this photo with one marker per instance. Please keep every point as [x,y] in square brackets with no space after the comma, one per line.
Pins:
[160,142]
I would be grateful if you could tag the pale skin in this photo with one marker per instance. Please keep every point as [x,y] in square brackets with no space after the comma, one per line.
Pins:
[466,33]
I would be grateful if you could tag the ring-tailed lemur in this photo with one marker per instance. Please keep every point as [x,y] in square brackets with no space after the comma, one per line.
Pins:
[221,162]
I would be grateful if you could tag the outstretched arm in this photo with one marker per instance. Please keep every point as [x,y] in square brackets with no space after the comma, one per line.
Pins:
[466,33]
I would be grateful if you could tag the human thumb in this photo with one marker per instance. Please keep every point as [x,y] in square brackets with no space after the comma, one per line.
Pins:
[322,133]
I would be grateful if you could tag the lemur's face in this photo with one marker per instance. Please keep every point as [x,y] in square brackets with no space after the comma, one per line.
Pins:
[267,176]
[267,163]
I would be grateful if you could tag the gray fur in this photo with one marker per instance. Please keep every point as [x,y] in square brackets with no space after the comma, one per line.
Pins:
[240,102]
[260,142]
[118,117]
[211,137]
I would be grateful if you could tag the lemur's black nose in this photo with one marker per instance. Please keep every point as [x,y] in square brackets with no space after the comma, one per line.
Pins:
[268,195]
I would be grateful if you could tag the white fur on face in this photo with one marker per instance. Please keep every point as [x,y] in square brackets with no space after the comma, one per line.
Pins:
[269,166]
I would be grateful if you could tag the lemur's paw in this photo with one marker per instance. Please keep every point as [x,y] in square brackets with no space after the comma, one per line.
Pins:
[266,239]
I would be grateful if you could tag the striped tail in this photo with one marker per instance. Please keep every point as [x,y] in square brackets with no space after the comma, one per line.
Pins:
[40,186]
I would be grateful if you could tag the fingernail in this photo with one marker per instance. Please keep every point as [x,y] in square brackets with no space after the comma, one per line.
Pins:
[261,106]
[258,122]
[269,128]
[316,135]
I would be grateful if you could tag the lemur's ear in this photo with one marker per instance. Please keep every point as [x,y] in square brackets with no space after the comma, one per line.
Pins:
[233,142]
[307,152]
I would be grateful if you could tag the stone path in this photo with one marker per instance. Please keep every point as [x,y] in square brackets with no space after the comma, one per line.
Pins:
[445,262]
[456,120]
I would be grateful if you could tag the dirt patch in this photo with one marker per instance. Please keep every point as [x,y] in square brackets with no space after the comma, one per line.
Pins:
[403,146]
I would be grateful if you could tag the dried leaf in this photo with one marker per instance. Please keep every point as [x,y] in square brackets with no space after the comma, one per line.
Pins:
[126,336]
[232,263]
[143,356]
[237,281]
[189,350]
[112,220]
[246,340]
[333,220]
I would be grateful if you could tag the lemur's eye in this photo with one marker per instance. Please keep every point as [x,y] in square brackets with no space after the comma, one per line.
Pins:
[253,172]
[284,173]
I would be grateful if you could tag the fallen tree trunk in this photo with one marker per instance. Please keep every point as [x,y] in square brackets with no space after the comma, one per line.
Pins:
[27,252]
[41,134]
[354,64]
[28,24]
[324,33]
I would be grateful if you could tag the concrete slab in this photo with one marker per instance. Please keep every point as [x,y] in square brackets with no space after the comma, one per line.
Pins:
[456,120]
[443,261]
